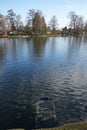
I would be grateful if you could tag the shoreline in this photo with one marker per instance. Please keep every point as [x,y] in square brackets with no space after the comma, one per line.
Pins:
[69,126]
[28,36]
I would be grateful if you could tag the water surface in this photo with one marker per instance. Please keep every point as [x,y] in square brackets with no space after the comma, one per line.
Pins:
[32,68]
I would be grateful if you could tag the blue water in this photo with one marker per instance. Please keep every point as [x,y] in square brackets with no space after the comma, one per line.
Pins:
[32,68]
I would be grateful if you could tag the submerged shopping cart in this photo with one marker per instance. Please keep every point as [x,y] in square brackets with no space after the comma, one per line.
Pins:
[45,112]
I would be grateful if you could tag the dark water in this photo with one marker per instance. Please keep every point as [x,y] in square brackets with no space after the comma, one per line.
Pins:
[32,68]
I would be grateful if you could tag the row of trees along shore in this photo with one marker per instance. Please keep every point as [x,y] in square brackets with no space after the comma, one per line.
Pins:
[12,24]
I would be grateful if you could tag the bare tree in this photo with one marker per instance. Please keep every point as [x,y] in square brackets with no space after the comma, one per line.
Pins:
[79,26]
[73,20]
[11,18]
[76,23]
[31,14]
[29,25]
[53,24]
[2,23]
[44,28]
[39,24]
[85,27]
[18,21]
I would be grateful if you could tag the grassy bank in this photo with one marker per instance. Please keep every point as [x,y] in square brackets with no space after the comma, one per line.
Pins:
[71,126]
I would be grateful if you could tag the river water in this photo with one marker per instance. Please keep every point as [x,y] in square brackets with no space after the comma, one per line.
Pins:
[31,68]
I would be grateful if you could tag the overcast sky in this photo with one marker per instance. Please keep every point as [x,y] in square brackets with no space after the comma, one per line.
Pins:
[59,8]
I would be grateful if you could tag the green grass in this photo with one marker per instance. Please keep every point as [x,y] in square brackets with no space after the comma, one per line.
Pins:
[71,126]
